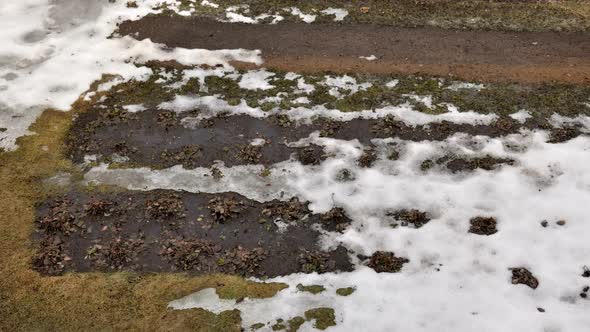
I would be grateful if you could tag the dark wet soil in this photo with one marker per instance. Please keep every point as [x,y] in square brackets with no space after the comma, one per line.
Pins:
[164,230]
[161,139]
[521,275]
[146,139]
[483,225]
[559,135]
[481,55]
[456,164]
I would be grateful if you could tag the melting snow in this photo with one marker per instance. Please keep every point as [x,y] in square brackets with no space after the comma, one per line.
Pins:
[40,40]
[253,80]
[455,280]
[371,57]
[521,116]
[307,18]
[210,4]
[339,13]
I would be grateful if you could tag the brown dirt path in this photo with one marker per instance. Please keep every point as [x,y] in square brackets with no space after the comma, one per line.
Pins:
[470,55]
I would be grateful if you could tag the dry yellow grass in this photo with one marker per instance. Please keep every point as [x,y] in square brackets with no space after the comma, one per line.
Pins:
[88,301]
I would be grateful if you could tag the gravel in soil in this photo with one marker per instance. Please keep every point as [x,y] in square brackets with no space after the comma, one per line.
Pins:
[164,230]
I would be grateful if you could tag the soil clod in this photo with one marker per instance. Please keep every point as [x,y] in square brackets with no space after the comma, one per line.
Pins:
[413,217]
[483,226]
[521,275]
[385,261]
[367,158]
[335,220]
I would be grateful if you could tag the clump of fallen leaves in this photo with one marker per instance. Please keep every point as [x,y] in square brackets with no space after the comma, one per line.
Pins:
[165,207]
[290,211]
[521,275]
[386,261]
[335,219]
[99,207]
[58,219]
[223,209]
[483,226]
[50,258]
[414,217]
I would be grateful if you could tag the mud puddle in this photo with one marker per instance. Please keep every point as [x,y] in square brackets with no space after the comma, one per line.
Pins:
[165,230]
[482,55]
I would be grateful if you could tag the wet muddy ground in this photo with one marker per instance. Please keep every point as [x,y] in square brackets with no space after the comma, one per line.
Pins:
[161,139]
[177,231]
[480,55]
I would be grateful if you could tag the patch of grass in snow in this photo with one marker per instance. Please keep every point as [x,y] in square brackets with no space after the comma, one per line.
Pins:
[87,301]
[323,317]
[568,15]
[427,94]
[542,100]
[313,289]
[345,291]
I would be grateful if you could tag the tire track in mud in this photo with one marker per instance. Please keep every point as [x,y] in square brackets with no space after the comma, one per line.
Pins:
[472,55]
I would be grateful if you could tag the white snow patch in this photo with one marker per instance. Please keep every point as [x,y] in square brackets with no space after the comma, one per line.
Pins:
[339,13]
[307,18]
[344,84]
[291,76]
[521,116]
[242,179]
[209,3]
[258,141]
[211,106]
[304,87]
[41,38]
[134,108]
[463,85]
[301,100]
[235,14]
[239,18]
[392,83]
[371,57]
[426,100]
[257,79]
[581,120]
[455,280]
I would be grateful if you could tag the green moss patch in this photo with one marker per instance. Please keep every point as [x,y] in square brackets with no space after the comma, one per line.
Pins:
[314,289]
[323,317]
[541,100]
[345,291]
